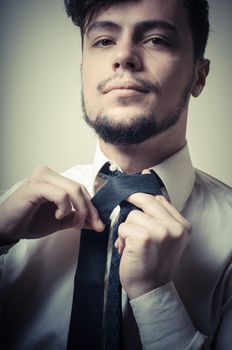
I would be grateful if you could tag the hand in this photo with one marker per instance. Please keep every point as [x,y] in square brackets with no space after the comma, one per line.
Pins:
[45,203]
[151,244]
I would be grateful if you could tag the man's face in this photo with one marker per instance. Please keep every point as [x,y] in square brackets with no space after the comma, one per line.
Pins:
[137,68]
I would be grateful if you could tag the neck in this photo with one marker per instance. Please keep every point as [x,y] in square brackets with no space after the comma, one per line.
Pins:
[135,158]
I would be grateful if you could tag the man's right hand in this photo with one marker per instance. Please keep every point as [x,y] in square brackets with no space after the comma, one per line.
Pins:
[45,203]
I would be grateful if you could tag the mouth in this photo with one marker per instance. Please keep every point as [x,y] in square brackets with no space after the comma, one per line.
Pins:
[125,88]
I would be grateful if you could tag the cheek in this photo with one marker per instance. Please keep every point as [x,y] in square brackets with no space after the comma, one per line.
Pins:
[87,76]
[89,83]
[173,77]
[89,67]
[92,75]
[90,80]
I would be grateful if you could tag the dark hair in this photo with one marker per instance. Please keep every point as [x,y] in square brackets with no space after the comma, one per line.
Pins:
[81,11]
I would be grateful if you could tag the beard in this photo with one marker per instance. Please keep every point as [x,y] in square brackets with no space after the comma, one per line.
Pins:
[139,128]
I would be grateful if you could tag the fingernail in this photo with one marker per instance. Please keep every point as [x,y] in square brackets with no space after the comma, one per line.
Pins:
[146,171]
[59,215]
[100,225]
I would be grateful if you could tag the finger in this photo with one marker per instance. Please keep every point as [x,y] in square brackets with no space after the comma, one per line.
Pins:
[163,200]
[80,199]
[119,245]
[75,192]
[80,207]
[145,229]
[173,211]
[67,221]
[45,174]
[43,192]
[134,237]
[156,227]
[64,201]
[149,204]
[146,171]
[93,220]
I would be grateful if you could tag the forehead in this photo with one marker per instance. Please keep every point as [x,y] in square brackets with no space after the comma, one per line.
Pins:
[129,13]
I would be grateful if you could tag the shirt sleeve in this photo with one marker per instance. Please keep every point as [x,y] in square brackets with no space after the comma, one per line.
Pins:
[163,321]
[223,339]
[4,249]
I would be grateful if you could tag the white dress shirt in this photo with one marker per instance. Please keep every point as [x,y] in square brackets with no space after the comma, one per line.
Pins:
[36,276]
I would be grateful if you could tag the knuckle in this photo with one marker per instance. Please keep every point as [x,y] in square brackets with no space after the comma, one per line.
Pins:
[163,232]
[121,228]
[159,197]
[188,227]
[132,215]
[63,197]
[145,241]
[83,188]
[179,229]
[77,188]
[41,169]
[31,182]
[145,237]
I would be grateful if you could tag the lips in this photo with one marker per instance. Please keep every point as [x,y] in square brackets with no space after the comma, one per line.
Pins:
[126,85]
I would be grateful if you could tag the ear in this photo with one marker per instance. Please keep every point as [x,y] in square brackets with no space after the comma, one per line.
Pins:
[201,73]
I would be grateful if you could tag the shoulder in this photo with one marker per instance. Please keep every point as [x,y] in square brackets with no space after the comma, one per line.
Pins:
[211,201]
[83,174]
[209,210]
[78,172]
[211,189]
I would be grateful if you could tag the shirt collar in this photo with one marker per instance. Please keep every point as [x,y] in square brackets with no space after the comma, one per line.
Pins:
[176,172]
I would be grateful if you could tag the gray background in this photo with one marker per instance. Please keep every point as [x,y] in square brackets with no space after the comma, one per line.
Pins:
[40,114]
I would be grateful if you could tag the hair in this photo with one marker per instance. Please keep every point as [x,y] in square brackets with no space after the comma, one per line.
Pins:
[81,12]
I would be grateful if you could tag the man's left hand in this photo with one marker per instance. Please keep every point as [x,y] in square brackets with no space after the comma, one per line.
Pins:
[151,244]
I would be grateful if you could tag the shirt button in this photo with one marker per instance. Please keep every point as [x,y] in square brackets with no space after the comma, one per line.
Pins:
[112,167]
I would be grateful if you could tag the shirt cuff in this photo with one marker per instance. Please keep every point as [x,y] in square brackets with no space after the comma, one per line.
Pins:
[163,321]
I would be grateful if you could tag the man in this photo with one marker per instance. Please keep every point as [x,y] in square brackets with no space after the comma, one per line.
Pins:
[142,60]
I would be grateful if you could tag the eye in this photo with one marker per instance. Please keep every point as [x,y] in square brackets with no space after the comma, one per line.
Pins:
[157,41]
[103,43]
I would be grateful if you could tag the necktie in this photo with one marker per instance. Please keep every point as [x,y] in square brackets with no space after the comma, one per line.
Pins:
[86,331]
[113,312]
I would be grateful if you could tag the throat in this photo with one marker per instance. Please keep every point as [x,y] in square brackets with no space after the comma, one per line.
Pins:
[135,158]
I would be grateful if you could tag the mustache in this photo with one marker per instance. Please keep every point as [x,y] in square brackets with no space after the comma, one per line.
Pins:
[146,85]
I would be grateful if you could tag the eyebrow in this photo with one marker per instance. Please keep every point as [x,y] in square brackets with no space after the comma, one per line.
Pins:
[140,26]
[101,25]
[153,24]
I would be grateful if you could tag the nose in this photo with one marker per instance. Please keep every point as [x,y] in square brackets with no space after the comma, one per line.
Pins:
[126,57]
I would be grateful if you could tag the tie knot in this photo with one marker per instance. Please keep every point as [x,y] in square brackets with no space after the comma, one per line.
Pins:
[120,186]
[110,170]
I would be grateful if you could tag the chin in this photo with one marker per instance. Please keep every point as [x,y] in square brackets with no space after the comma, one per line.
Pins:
[124,113]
